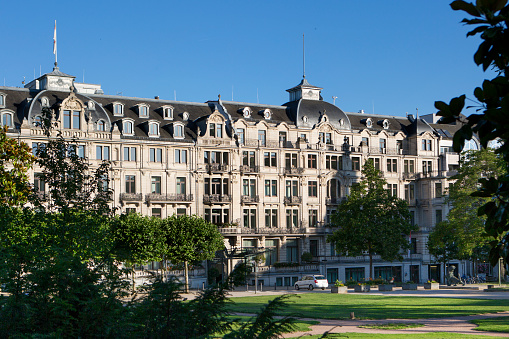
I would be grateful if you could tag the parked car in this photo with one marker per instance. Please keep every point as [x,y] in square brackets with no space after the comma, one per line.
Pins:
[312,281]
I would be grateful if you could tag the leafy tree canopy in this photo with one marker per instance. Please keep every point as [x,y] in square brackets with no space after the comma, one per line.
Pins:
[371,220]
[490,18]
[15,160]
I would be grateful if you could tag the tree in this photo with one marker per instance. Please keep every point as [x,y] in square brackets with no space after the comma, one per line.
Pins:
[15,160]
[371,220]
[490,18]
[190,238]
[464,228]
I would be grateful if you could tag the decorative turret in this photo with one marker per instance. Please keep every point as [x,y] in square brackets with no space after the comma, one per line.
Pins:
[304,90]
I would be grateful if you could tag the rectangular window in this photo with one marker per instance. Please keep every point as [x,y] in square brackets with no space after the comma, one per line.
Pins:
[181,185]
[241,135]
[392,189]
[270,217]
[118,109]
[271,188]
[365,141]
[313,218]
[75,119]
[356,164]
[354,273]
[292,218]
[334,162]
[282,138]
[312,161]
[313,248]
[291,160]
[67,119]
[249,215]
[156,212]
[392,165]
[428,145]
[180,156]
[39,184]
[156,155]
[313,189]
[408,166]
[156,185]
[292,252]
[129,210]
[262,138]
[181,212]
[438,216]
[292,188]
[270,159]
[248,158]
[129,153]
[412,218]
[130,184]
[383,146]
[249,187]
[438,190]
[426,167]
[409,192]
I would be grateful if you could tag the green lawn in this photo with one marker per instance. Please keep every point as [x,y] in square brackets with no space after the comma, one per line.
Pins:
[500,324]
[436,335]
[392,326]
[339,306]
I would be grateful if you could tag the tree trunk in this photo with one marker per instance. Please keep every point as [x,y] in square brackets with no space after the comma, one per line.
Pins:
[370,264]
[186,274]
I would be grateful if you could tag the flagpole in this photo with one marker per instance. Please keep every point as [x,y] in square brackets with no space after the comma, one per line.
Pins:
[55,43]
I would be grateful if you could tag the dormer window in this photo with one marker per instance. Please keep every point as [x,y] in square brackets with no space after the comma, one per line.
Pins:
[246,112]
[153,129]
[101,125]
[305,119]
[168,112]
[143,111]
[185,116]
[216,130]
[267,114]
[2,100]
[127,127]
[369,123]
[385,124]
[91,105]
[7,119]
[118,109]
[178,131]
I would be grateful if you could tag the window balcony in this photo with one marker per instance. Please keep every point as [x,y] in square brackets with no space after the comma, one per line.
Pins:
[249,169]
[168,197]
[248,199]
[217,168]
[294,170]
[131,197]
[334,201]
[295,200]
[216,198]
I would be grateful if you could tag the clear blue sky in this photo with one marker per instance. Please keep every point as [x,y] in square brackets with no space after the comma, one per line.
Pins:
[389,56]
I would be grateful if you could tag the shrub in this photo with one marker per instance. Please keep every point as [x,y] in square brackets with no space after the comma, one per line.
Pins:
[339,283]
[306,257]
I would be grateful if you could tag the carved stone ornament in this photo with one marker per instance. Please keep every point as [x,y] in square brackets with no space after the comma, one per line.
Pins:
[72,103]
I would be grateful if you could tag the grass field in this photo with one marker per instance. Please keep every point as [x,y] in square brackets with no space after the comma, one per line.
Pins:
[500,324]
[436,335]
[339,306]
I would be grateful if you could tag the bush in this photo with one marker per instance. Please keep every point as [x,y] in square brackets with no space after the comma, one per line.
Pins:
[339,283]
[306,257]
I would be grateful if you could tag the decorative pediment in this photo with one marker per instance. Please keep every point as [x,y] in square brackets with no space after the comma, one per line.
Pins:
[72,103]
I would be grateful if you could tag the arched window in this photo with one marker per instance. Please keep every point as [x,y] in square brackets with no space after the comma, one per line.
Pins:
[101,125]
[153,129]
[7,119]
[127,127]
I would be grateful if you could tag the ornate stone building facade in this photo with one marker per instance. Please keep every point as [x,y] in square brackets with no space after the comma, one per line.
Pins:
[269,176]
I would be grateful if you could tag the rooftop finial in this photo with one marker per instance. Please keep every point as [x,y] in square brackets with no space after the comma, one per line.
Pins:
[417,113]
[303,58]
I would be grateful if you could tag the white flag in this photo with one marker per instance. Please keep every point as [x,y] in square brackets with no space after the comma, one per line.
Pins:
[55,39]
